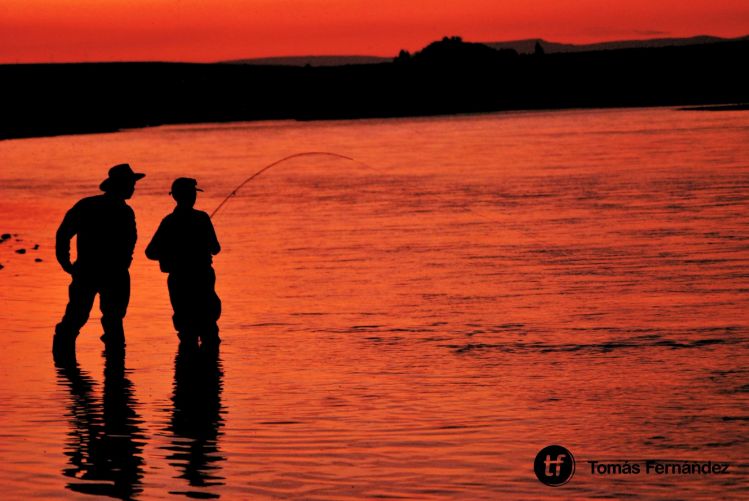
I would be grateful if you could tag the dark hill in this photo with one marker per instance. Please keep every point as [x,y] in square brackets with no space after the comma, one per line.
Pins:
[453,51]
[528,46]
[311,60]
[449,76]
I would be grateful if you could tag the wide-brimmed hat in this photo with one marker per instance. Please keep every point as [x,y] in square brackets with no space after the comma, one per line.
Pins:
[184,184]
[119,174]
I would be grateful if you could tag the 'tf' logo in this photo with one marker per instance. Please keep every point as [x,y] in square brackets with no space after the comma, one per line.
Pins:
[554,465]
[557,463]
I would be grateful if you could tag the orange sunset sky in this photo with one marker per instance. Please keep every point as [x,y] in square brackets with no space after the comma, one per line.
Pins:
[214,30]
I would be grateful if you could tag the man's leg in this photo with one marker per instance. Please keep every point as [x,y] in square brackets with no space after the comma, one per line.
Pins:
[114,297]
[81,293]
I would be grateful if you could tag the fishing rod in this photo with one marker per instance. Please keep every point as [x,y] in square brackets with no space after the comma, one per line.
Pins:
[338,155]
[269,166]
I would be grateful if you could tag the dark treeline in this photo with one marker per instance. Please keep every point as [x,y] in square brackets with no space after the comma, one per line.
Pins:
[446,77]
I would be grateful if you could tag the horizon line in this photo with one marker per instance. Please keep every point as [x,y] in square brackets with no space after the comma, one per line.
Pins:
[291,56]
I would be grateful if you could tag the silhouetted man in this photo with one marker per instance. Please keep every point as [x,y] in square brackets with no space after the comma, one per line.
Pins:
[184,245]
[105,229]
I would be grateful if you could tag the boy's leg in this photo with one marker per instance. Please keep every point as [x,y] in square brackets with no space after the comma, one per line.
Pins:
[180,292]
[211,310]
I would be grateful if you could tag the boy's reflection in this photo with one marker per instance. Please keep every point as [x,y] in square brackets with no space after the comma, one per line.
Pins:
[197,416]
[106,443]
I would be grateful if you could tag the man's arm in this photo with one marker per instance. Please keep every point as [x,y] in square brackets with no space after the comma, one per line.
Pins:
[68,228]
[132,236]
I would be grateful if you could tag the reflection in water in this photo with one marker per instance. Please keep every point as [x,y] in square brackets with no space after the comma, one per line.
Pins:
[106,443]
[197,417]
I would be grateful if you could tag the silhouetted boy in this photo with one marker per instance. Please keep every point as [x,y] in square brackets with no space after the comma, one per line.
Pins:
[105,230]
[184,245]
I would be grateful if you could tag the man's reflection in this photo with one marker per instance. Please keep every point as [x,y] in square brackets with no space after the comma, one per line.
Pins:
[197,416]
[106,444]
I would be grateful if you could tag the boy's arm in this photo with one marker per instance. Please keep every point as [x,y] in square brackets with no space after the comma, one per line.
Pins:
[154,248]
[213,246]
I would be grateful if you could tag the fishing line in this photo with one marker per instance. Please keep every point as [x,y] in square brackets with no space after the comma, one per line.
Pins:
[271,165]
[234,192]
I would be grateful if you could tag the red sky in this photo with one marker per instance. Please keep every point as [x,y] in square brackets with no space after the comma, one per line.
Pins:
[213,30]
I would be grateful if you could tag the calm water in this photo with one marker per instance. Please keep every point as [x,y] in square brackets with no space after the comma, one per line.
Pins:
[416,324]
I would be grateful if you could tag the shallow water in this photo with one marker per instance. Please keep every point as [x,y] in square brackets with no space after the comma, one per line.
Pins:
[415,324]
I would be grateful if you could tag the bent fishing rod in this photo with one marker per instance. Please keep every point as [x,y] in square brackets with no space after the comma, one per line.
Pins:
[270,166]
[234,192]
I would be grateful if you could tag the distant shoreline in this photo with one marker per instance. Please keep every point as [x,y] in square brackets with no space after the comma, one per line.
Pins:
[718,107]
[709,107]
[447,77]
